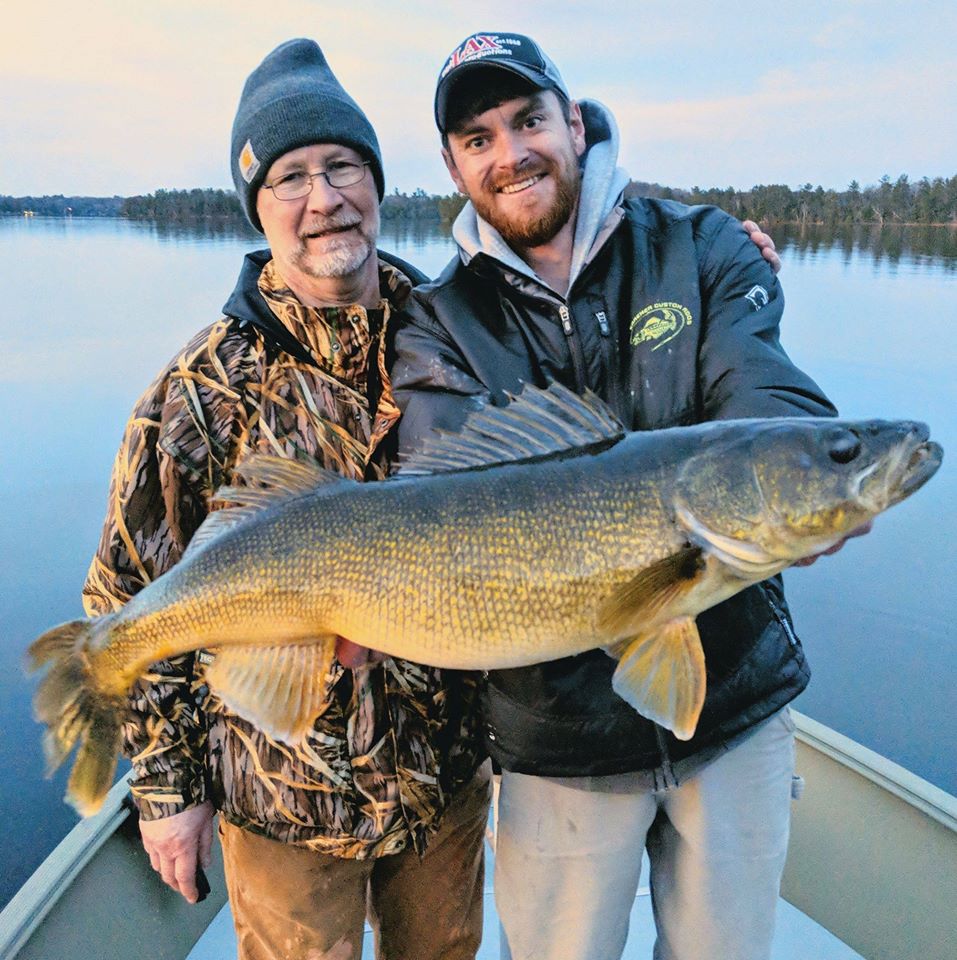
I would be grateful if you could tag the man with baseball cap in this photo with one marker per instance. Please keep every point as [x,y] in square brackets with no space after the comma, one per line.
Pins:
[671,315]
[382,810]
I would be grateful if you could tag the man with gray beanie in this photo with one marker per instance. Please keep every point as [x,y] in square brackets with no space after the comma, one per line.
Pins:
[382,811]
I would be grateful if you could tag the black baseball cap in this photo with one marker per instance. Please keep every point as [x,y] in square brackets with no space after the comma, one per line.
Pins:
[513,52]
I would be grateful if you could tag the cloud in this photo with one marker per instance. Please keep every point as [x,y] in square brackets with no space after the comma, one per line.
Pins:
[125,98]
[826,124]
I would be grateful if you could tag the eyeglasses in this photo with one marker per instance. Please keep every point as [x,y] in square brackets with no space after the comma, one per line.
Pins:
[299,184]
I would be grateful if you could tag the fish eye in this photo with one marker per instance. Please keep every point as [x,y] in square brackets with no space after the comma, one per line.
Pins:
[844,447]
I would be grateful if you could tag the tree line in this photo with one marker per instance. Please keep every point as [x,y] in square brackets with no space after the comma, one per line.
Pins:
[183,205]
[888,202]
[60,206]
[186,205]
[927,201]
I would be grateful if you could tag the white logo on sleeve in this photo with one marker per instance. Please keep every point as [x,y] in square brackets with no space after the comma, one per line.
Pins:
[757,296]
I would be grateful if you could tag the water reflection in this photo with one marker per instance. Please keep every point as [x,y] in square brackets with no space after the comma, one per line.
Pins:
[197,231]
[916,245]
[93,308]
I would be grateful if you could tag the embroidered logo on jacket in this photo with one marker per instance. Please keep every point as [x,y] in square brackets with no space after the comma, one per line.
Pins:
[757,296]
[659,321]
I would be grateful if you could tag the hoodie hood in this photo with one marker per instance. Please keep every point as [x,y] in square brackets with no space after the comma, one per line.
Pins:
[603,182]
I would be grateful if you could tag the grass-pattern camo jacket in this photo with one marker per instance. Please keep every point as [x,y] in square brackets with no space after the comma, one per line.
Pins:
[396,740]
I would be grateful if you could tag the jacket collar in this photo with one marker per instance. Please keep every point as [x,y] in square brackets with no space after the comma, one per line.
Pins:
[249,308]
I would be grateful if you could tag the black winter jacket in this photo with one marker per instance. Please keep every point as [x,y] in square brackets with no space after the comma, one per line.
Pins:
[673,321]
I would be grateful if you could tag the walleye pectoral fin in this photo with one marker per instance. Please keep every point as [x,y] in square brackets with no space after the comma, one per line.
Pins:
[280,689]
[650,591]
[662,675]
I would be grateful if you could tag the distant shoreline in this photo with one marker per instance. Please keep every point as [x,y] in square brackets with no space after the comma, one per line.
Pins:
[241,221]
[888,203]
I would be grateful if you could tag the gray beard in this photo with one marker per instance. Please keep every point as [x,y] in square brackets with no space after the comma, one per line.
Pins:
[340,262]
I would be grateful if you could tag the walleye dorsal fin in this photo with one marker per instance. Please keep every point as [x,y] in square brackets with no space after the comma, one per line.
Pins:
[280,689]
[285,475]
[662,675]
[649,591]
[272,479]
[536,423]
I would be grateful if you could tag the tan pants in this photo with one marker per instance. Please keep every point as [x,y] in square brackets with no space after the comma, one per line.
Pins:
[569,850]
[292,904]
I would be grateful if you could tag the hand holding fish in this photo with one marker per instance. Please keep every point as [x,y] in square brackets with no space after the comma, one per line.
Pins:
[177,845]
[354,657]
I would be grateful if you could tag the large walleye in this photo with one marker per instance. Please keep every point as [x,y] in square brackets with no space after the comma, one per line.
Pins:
[580,535]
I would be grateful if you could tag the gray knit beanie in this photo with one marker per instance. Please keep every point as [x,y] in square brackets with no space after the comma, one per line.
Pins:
[292,99]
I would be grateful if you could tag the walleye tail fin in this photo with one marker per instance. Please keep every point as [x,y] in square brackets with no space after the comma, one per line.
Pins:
[73,711]
[280,689]
[662,675]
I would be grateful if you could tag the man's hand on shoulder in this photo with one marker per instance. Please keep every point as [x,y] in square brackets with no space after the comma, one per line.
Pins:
[764,243]
[859,532]
[177,845]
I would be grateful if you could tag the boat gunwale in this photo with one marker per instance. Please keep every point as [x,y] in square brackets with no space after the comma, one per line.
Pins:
[29,906]
[931,800]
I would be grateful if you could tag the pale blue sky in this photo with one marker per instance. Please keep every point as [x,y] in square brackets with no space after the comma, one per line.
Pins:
[110,96]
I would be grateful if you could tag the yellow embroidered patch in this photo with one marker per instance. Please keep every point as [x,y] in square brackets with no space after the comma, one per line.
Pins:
[659,321]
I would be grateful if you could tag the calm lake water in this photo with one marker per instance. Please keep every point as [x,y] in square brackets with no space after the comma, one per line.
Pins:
[92,308]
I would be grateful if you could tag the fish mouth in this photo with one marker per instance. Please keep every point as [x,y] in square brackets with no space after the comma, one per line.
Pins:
[923,463]
[904,470]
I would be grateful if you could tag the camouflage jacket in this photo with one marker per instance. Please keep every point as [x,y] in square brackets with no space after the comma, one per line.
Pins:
[397,739]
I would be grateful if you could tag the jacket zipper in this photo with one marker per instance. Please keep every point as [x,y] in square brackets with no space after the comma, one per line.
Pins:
[609,348]
[564,314]
[792,639]
[566,319]
[783,620]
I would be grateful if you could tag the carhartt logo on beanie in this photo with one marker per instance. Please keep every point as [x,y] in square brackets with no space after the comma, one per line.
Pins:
[293,99]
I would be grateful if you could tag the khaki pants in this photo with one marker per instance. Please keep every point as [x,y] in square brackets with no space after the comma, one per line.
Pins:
[568,857]
[289,903]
